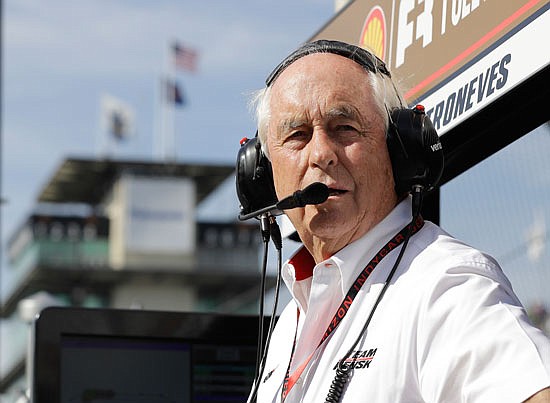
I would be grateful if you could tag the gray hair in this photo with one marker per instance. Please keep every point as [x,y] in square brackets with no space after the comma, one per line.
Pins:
[385,93]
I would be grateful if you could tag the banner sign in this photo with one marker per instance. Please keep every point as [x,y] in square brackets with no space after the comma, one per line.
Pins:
[453,56]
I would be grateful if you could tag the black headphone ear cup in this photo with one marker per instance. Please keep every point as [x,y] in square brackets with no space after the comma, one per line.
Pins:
[254,178]
[415,150]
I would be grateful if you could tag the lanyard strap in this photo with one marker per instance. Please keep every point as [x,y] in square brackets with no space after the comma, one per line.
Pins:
[398,239]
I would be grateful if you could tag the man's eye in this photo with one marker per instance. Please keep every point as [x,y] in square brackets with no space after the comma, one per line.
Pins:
[297,135]
[345,128]
[296,139]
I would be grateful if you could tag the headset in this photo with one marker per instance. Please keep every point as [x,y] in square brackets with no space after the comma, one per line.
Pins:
[414,147]
[254,177]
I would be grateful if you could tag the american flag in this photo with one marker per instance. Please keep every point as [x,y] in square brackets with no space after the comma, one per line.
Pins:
[185,58]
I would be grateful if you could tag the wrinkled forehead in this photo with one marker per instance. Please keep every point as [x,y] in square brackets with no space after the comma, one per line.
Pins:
[319,81]
[359,55]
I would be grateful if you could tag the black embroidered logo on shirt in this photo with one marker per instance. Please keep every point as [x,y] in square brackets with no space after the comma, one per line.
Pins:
[359,359]
[268,375]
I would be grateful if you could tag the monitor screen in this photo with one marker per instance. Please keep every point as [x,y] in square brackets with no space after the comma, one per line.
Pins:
[106,355]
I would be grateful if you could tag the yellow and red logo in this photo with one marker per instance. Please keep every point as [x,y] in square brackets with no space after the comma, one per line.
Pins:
[373,35]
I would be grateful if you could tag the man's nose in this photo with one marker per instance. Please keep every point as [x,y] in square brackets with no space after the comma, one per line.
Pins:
[322,150]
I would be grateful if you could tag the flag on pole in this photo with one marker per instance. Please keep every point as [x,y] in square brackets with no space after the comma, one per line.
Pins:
[184,57]
[174,94]
[117,117]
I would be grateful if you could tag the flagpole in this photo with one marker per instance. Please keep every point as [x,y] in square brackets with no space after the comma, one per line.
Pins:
[164,104]
[170,133]
[104,135]
[159,145]
[158,108]
[173,106]
[101,131]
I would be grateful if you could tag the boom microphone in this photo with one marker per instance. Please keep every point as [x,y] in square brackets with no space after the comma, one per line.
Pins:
[316,193]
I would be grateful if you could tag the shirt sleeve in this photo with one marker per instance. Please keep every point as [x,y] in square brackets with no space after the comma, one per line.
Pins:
[476,343]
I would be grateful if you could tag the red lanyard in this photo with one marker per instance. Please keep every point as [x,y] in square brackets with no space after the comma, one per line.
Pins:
[398,239]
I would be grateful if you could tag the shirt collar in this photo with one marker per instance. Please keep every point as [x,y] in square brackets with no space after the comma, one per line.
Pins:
[350,259]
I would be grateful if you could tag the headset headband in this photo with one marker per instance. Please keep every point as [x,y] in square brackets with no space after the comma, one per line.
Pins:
[359,55]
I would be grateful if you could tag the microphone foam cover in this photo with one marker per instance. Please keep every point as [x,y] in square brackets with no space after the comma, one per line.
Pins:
[316,193]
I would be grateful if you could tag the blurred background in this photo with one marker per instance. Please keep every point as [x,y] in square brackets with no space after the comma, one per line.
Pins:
[119,117]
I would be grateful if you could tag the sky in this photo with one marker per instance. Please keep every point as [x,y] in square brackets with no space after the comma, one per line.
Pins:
[60,56]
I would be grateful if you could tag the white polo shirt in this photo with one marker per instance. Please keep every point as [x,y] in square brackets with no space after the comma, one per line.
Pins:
[449,328]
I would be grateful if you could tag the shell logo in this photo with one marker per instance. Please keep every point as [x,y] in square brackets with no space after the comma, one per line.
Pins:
[373,35]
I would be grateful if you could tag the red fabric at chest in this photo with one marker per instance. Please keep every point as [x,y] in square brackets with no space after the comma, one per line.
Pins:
[303,264]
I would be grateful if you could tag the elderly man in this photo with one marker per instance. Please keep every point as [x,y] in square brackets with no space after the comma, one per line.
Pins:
[386,307]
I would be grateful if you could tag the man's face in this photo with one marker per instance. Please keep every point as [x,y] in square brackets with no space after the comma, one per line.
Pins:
[325,127]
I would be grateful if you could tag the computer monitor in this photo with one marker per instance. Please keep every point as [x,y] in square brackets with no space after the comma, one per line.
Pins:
[112,355]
